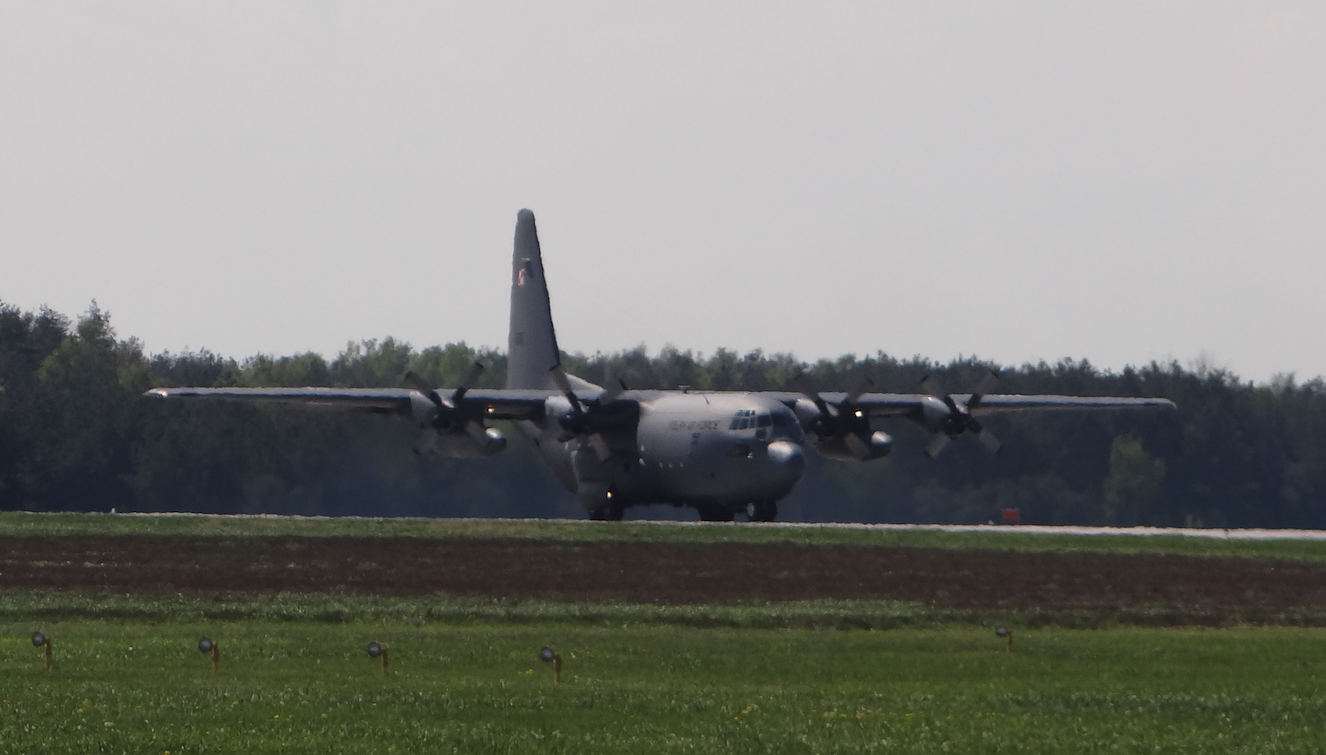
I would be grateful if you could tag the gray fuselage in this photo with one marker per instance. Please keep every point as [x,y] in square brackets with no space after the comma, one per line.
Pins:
[688,449]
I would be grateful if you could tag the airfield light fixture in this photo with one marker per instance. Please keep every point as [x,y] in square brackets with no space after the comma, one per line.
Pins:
[1007,634]
[40,640]
[375,650]
[207,645]
[548,655]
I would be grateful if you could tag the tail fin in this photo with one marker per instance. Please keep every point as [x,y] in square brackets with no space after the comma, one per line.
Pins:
[531,342]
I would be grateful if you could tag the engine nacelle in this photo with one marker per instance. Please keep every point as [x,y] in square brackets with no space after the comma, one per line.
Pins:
[936,416]
[422,411]
[807,413]
[556,408]
[878,446]
[462,445]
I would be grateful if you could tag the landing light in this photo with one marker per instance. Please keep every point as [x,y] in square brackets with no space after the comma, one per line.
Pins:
[1006,633]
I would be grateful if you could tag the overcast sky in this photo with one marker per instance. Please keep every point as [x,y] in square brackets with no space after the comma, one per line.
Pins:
[1120,181]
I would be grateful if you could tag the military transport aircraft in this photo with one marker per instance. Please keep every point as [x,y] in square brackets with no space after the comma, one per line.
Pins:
[719,452]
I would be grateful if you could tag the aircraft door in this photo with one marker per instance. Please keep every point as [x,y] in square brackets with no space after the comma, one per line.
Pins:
[704,463]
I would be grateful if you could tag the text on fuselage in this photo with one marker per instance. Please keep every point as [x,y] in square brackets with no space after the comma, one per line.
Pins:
[695,424]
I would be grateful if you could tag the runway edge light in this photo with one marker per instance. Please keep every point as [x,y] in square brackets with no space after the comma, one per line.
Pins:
[41,640]
[208,645]
[375,650]
[548,655]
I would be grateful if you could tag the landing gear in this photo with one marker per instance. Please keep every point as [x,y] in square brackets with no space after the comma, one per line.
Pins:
[608,512]
[714,513]
[762,511]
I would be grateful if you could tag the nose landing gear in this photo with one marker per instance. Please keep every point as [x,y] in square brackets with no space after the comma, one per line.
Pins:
[755,511]
[715,513]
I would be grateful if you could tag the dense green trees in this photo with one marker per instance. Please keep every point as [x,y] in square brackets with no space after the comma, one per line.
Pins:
[76,435]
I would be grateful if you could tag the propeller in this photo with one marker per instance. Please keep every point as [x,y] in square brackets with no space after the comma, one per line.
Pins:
[842,420]
[959,418]
[451,411]
[581,421]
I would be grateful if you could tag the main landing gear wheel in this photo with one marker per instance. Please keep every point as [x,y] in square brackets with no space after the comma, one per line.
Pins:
[608,512]
[712,513]
[762,511]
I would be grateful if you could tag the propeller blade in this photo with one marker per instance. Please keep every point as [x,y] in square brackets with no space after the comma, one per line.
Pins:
[929,385]
[857,445]
[859,388]
[807,387]
[477,431]
[986,385]
[419,384]
[936,445]
[564,385]
[613,393]
[828,412]
[549,435]
[988,440]
[600,446]
[467,382]
[562,381]
[425,443]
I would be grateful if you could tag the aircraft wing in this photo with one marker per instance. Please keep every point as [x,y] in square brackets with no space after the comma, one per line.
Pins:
[994,403]
[909,404]
[501,404]
[529,404]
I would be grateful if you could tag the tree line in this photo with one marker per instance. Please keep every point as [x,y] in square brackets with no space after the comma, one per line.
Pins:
[76,435]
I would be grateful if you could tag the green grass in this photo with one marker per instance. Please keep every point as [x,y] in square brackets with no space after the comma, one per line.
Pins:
[23,523]
[35,607]
[296,687]
[638,678]
[25,606]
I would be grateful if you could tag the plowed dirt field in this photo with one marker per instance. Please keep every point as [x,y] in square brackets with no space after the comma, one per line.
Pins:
[658,573]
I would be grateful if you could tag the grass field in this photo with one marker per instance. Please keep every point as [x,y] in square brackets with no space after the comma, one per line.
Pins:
[138,687]
[754,677]
[20,523]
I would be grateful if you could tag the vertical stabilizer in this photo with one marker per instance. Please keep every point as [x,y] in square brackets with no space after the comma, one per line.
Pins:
[531,346]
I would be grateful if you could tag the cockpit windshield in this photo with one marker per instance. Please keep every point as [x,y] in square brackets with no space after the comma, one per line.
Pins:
[747,418]
[784,425]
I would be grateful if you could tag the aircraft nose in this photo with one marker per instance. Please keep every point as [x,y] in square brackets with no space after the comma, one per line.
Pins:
[788,458]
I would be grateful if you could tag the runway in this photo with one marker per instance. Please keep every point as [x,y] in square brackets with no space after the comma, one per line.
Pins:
[1023,529]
